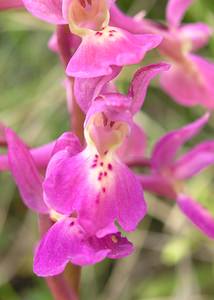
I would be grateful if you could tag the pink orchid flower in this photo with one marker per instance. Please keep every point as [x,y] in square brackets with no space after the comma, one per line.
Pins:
[66,241]
[96,183]
[169,173]
[101,44]
[190,79]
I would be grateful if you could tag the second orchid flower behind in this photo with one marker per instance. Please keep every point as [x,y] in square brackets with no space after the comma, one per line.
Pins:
[169,175]
[190,79]
[102,46]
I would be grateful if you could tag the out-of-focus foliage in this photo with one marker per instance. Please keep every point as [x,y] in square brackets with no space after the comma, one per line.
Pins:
[172,260]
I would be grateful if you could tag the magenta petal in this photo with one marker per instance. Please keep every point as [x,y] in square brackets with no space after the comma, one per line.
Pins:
[112,47]
[134,146]
[175,11]
[157,184]
[119,246]
[87,90]
[66,242]
[47,10]
[141,81]
[166,148]
[129,198]
[53,43]
[68,141]
[194,161]
[42,154]
[197,214]
[25,173]
[115,106]
[99,196]
[197,34]
[8,4]
[121,20]
[190,84]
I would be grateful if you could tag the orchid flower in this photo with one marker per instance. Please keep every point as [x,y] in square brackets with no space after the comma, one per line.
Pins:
[189,80]
[66,241]
[169,173]
[95,184]
[107,46]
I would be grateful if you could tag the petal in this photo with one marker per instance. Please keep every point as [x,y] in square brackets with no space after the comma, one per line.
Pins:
[121,20]
[86,91]
[166,148]
[99,191]
[197,214]
[141,81]
[192,83]
[41,155]
[8,4]
[53,43]
[25,173]
[197,33]
[119,246]
[194,161]
[115,106]
[68,141]
[110,47]
[175,11]
[65,242]
[158,185]
[134,146]
[47,10]
[129,198]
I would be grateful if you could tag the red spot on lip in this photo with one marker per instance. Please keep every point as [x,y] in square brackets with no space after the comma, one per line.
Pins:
[72,223]
[96,155]
[100,176]
[98,33]
[94,166]
[105,173]
[106,152]
[111,34]
[82,2]
[104,189]
[102,164]
[112,30]
[110,167]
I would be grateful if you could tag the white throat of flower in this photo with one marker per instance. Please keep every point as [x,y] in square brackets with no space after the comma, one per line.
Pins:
[86,16]
[103,135]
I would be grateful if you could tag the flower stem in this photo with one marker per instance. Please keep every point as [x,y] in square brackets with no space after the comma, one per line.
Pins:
[72,273]
[76,117]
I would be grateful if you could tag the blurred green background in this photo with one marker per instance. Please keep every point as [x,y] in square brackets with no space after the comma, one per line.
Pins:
[172,261]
